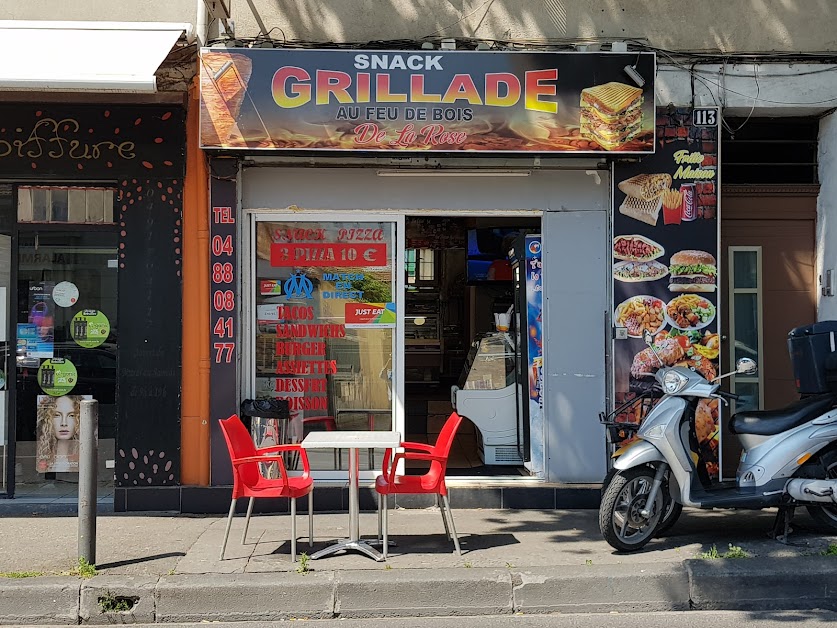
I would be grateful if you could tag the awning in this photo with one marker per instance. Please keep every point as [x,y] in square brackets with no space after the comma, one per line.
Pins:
[85,56]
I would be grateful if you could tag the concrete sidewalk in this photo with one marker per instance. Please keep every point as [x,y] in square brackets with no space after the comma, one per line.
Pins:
[512,561]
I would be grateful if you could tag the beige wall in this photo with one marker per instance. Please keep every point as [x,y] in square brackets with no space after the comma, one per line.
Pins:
[100,10]
[705,24]
[729,25]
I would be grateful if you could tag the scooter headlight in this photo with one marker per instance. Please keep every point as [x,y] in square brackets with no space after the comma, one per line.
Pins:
[674,382]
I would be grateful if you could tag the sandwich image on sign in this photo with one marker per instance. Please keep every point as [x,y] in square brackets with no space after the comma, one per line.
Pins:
[611,114]
[692,271]
[644,196]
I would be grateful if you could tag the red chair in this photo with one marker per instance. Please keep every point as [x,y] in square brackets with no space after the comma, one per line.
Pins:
[249,482]
[433,481]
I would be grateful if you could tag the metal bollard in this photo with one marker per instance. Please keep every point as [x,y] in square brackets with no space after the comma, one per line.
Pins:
[88,461]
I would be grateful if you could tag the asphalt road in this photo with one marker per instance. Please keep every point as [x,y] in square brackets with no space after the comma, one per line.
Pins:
[792,619]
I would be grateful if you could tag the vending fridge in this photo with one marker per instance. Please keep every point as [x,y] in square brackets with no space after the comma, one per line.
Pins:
[527,274]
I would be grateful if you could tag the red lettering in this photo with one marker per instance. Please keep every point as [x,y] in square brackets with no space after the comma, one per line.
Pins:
[368,133]
[435,134]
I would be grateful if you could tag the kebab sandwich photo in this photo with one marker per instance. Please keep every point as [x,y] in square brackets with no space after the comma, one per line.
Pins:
[644,196]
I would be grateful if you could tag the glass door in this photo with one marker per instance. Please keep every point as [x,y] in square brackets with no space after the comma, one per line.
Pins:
[325,329]
[66,335]
[745,324]
[5,356]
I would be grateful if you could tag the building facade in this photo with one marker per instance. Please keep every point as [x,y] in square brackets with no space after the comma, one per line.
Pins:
[756,177]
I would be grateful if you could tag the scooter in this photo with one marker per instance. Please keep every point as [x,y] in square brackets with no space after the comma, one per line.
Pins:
[789,460]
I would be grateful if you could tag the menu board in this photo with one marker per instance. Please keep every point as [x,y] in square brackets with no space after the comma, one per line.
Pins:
[665,266]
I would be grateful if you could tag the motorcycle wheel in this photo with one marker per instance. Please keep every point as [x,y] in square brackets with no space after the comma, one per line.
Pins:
[826,516]
[620,521]
[673,509]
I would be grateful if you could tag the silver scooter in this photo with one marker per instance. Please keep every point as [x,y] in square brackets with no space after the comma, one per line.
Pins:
[789,460]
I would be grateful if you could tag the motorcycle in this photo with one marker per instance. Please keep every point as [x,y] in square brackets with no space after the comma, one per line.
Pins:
[789,459]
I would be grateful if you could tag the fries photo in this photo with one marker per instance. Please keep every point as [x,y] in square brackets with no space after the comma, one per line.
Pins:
[672,198]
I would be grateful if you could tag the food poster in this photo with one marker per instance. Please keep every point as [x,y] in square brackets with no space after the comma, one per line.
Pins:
[534,335]
[452,101]
[665,266]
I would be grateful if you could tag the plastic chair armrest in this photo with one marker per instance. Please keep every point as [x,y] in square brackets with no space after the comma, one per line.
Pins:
[407,455]
[273,448]
[418,446]
[280,459]
[295,448]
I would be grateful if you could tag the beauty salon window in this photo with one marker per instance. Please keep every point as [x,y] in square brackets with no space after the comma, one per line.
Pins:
[65,205]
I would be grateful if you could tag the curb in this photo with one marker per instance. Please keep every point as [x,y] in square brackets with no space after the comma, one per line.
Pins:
[749,584]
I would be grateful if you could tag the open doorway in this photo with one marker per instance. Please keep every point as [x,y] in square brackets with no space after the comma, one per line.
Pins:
[459,284]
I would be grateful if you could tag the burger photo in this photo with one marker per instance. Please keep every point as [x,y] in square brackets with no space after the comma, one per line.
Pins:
[692,271]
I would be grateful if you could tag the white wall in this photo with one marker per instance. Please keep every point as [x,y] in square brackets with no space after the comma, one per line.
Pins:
[323,188]
[827,213]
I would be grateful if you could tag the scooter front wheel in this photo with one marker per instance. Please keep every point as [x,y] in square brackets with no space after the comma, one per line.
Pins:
[672,511]
[621,523]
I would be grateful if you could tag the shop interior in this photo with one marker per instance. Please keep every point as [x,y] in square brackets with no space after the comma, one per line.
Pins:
[458,276]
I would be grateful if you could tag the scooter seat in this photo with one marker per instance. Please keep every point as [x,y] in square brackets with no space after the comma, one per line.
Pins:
[770,422]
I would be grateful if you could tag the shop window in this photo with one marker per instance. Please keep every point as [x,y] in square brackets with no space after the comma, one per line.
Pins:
[65,205]
[759,151]
[745,315]
[420,265]
[324,327]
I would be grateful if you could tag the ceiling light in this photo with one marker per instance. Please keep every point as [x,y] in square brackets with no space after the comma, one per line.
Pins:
[636,77]
[454,173]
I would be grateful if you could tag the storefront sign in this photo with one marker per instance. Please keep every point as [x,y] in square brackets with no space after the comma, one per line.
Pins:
[546,102]
[665,269]
[90,140]
[332,254]
[223,312]
[370,315]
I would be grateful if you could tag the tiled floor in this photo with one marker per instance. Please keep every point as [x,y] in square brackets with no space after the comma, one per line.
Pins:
[464,456]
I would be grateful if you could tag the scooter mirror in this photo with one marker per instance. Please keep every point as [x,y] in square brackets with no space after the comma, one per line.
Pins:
[746,366]
[647,337]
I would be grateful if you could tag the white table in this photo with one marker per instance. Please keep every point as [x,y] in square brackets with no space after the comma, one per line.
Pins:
[353,441]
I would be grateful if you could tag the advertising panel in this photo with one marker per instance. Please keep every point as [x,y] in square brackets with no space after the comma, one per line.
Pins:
[665,266]
[492,101]
[534,334]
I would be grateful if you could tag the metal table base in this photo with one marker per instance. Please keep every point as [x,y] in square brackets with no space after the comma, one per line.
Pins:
[354,442]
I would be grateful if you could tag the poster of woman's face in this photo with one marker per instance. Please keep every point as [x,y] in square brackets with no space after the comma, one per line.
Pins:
[58,430]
